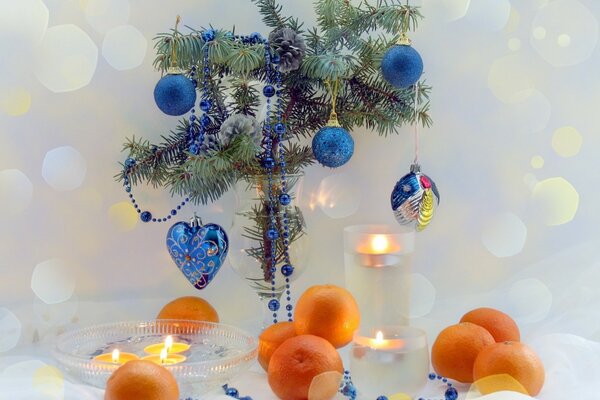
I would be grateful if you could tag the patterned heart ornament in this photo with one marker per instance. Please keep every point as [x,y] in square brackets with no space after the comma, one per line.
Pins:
[198,250]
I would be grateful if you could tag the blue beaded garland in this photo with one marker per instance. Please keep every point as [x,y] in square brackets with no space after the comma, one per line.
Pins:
[333,146]
[269,91]
[274,305]
[451,394]
[272,234]
[285,199]
[279,128]
[175,94]
[268,163]
[205,105]
[287,270]
[402,66]
[208,35]
[382,398]
[146,216]
[130,163]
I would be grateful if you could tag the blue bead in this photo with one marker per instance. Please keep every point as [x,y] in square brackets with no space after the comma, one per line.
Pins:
[130,163]
[333,146]
[289,307]
[245,398]
[275,59]
[175,94]
[194,149]
[208,35]
[192,118]
[268,162]
[269,91]
[287,270]
[451,394]
[205,120]
[432,376]
[255,36]
[444,380]
[173,212]
[402,66]
[233,392]
[279,128]
[382,398]
[146,216]
[128,188]
[274,305]
[272,234]
[205,105]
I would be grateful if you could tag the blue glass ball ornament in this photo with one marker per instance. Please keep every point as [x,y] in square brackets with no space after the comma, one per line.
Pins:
[414,199]
[175,94]
[333,146]
[402,66]
[269,91]
[287,270]
[274,305]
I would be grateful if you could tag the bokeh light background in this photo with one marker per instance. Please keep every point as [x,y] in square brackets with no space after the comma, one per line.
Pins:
[514,151]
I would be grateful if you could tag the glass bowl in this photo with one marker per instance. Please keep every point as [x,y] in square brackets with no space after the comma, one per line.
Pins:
[217,352]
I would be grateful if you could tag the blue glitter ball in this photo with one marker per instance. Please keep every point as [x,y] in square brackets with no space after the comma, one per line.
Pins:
[269,91]
[146,216]
[451,394]
[333,146]
[287,270]
[272,234]
[274,305]
[285,199]
[268,162]
[130,163]
[175,94]
[208,35]
[205,105]
[401,66]
[280,128]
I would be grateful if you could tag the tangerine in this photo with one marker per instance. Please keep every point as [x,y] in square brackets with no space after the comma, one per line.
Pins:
[513,359]
[454,351]
[297,361]
[502,327]
[140,379]
[270,339]
[189,308]
[327,311]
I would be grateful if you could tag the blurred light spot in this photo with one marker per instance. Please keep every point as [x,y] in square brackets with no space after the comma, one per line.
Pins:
[509,79]
[563,40]
[539,33]
[22,23]
[49,381]
[325,385]
[103,15]
[446,10]
[64,168]
[514,44]
[489,15]
[15,101]
[530,300]
[528,115]
[555,200]
[16,192]
[422,296]
[53,281]
[10,330]
[124,47]
[18,376]
[530,180]
[575,28]
[123,216]
[66,59]
[338,196]
[504,235]
[400,396]
[537,162]
[567,141]
[55,315]
[499,383]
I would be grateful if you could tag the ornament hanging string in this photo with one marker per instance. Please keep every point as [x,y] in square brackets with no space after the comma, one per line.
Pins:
[174,47]
[333,89]
[416,126]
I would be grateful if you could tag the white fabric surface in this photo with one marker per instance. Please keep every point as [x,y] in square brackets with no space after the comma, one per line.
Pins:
[572,372]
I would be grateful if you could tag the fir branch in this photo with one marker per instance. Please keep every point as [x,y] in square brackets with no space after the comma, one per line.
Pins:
[272,16]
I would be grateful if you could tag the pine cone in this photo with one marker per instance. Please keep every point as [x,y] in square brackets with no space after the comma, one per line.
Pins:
[290,47]
[240,124]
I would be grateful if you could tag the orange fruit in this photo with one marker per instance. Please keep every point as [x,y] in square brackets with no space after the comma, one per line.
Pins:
[297,361]
[141,379]
[270,339]
[502,327]
[513,359]
[189,307]
[454,351]
[327,311]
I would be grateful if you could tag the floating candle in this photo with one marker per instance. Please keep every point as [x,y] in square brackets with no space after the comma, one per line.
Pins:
[116,357]
[164,358]
[169,344]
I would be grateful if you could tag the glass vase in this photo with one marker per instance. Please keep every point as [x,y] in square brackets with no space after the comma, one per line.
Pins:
[250,248]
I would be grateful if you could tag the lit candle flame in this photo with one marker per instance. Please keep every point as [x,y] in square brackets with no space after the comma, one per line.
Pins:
[169,343]
[163,356]
[380,244]
[379,337]
[116,355]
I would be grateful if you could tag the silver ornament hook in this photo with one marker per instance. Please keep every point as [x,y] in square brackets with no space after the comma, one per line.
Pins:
[196,221]
[415,168]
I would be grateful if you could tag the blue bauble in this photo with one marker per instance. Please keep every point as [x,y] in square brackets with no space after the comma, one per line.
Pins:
[402,66]
[333,146]
[175,94]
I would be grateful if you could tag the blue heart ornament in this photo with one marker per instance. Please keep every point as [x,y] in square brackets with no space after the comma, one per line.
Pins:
[198,250]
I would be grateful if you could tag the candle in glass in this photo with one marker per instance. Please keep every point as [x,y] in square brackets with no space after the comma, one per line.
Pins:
[116,357]
[388,360]
[165,358]
[169,344]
